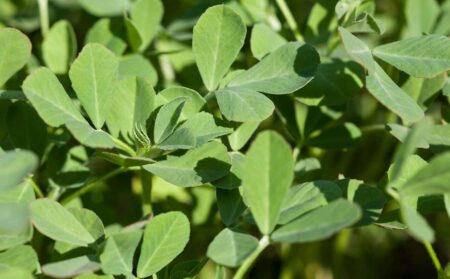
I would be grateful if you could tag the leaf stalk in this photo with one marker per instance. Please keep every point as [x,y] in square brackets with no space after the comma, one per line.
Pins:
[248,263]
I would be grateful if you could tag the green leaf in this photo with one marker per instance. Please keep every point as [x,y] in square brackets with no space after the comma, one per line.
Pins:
[32,134]
[15,167]
[285,70]
[425,56]
[56,222]
[124,161]
[230,248]
[358,50]
[133,102]
[369,198]
[420,16]
[230,205]
[411,165]
[134,38]
[15,227]
[146,16]
[381,86]
[193,104]
[319,224]
[21,193]
[187,269]
[15,273]
[346,135]
[217,39]
[15,50]
[164,238]
[59,47]
[22,257]
[417,225]
[117,256]
[94,75]
[241,104]
[233,179]
[182,138]
[336,82]
[90,221]
[198,166]
[306,165]
[204,128]
[306,197]
[49,98]
[88,136]
[447,203]
[135,65]
[431,179]
[101,8]
[264,40]
[105,31]
[167,119]
[71,267]
[268,172]
[424,91]
[242,134]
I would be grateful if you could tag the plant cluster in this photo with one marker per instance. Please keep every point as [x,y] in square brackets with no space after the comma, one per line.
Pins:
[237,111]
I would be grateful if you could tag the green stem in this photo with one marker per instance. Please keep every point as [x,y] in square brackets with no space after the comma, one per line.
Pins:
[43,14]
[433,256]
[146,181]
[36,188]
[247,264]
[124,147]
[290,19]
[88,186]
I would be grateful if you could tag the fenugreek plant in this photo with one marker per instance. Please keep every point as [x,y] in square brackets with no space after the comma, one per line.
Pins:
[151,139]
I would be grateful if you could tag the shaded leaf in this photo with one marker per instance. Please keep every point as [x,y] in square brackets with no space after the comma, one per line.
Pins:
[198,166]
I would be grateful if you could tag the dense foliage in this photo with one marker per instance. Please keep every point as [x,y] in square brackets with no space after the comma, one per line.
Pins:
[224,139]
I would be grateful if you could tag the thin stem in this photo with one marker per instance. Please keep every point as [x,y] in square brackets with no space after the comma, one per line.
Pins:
[247,264]
[43,14]
[290,19]
[124,147]
[36,188]
[146,181]
[90,185]
[433,256]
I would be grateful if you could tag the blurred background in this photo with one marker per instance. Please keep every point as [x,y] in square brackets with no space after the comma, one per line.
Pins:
[367,252]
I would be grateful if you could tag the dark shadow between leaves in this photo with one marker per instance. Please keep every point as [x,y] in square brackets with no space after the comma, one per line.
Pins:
[210,169]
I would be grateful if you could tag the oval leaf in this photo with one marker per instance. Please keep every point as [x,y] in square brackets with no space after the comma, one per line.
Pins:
[267,174]
[319,224]
[94,74]
[164,238]
[56,222]
[218,37]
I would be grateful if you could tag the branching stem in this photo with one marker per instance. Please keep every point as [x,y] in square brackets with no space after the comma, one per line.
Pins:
[247,264]
[433,256]
[290,19]
[88,186]
[43,15]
